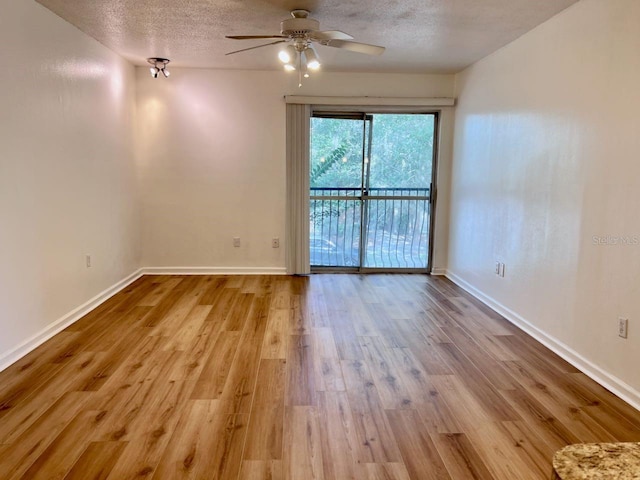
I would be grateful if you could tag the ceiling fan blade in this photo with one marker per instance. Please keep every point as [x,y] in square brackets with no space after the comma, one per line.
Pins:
[355,46]
[252,37]
[257,46]
[330,35]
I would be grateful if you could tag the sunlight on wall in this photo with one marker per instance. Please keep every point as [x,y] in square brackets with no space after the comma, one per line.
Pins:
[545,161]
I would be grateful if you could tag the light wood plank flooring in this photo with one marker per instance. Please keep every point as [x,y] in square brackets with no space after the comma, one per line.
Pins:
[272,377]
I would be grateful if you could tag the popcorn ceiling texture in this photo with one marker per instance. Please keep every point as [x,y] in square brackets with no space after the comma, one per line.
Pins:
[421,36]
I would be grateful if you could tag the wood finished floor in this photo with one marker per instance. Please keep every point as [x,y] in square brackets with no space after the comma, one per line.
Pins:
[272,377]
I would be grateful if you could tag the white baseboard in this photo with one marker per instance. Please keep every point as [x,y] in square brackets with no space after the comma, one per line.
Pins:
[214,271]
[63,322]
[604,378]
[438,271]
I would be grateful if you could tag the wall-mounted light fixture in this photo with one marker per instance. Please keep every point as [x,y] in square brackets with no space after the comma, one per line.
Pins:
[159,65]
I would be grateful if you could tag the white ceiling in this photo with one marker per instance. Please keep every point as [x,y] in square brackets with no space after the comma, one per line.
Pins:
[421,36]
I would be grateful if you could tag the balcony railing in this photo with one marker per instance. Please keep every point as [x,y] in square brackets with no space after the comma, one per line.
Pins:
[393,221]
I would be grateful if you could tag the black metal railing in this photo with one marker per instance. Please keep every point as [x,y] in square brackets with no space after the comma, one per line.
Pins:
[395,221]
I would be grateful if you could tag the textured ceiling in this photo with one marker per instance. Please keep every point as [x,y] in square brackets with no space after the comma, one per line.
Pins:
[421,36]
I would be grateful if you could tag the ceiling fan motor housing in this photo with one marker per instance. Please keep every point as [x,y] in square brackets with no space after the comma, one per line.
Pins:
[298,26]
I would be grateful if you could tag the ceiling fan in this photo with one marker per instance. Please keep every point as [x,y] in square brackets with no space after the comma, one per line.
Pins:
[300,32]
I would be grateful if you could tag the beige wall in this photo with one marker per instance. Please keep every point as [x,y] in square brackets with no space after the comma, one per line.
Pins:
[546,157]
[212,160]
[66,171]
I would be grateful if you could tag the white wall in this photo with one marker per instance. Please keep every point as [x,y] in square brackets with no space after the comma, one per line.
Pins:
[212,160]
[67,175]
[546,156]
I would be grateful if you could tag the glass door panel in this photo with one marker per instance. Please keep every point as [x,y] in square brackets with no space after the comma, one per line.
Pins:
[370,199]
[399,183]
[336,180]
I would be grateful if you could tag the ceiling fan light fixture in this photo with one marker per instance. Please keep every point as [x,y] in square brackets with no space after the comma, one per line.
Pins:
[283,56]
[287,54]
[313,62]
[298,34]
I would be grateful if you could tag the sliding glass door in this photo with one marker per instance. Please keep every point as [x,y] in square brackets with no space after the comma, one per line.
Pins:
[371,180]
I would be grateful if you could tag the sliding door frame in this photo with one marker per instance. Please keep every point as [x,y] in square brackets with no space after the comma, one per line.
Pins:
[363,112]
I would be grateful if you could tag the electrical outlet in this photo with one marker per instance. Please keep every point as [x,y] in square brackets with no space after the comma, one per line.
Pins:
[498,268]
[87,261]
[236,241]
[623,327]
[501,270]
[275,242]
